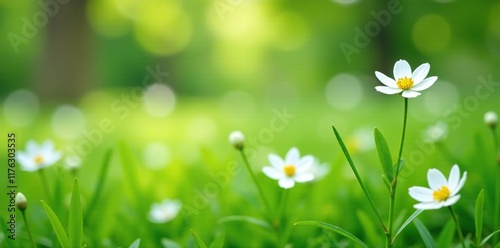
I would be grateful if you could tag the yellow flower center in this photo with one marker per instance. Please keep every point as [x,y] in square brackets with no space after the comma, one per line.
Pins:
[38,159]
[289,170]
[441,194]
[405,83]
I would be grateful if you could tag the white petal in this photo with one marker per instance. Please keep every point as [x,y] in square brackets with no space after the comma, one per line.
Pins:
[450,201]
[51,158]
[428,205]
[302,178]
[402,69]
[388,90]
[460,184]
[286,183]
[426,83]
[420,73]
[276,161]
[47,146]
[436,179]
[386,80]
[272,172]
[453,178]
[420,194]
[31,147]
[304,163]
[410,94]
[293,156]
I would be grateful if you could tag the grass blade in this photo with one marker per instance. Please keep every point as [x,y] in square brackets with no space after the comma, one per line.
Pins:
[355,171]
[384,155]
[135,244]
[129,171]
[100,184]
[75,222]
[478,216]
[218,242]
[248,219]
[489,237]
[332,228]
[445,238]
[198,240]
[408,221]
[57,226]
[425,234]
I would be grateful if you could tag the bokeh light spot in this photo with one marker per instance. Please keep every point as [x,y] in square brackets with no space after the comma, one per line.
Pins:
[345,2]
[162,27]
[156,155]
[68,122]
[21,107]
[442,96]
[431,33]
[159,100]
[344,92]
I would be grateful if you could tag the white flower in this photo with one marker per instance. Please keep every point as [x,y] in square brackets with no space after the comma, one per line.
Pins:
[38,156]
[491,118]
[319,170]
[436,133]
[361,140]
[164,211]
[405,81]
[72,162]
[237,139]
[292,169]
[441,193]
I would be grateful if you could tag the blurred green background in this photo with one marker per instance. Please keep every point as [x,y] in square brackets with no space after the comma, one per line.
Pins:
[223,65]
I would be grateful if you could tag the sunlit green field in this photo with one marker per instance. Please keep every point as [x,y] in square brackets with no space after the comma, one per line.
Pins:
[200,168]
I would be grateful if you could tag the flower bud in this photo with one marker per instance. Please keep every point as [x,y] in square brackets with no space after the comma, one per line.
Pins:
[237,139]
[21,201]
[491,119]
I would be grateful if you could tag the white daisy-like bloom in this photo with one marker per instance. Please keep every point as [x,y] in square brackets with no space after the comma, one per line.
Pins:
[405,81]
[164,211]
[442,192]
[491,118]
[290,170]
[436,133]
[38,156]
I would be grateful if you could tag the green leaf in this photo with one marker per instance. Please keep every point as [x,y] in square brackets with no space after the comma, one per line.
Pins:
[489,237]
[425,234]
[408,221]
[219,241]
[100,184]
[355,171]
[478,217]
[198,240]
[75,222]
[332,228]
[135,244]
[130,173]
[445,238]
[251,220]
[400,165]
[57,226]
[384,155]
[372,236]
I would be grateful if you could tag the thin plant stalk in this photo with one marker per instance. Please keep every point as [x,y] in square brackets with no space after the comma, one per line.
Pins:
[496,207]
[45,184]
[254,178]
[279,216]
[394,183]
[28,229]
[457,224]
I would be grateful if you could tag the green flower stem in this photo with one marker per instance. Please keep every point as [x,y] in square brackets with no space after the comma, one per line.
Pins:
[45,184]
[254,178]
[28,228]
[394,183]
[279,217]
[496,207]
[459,230]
